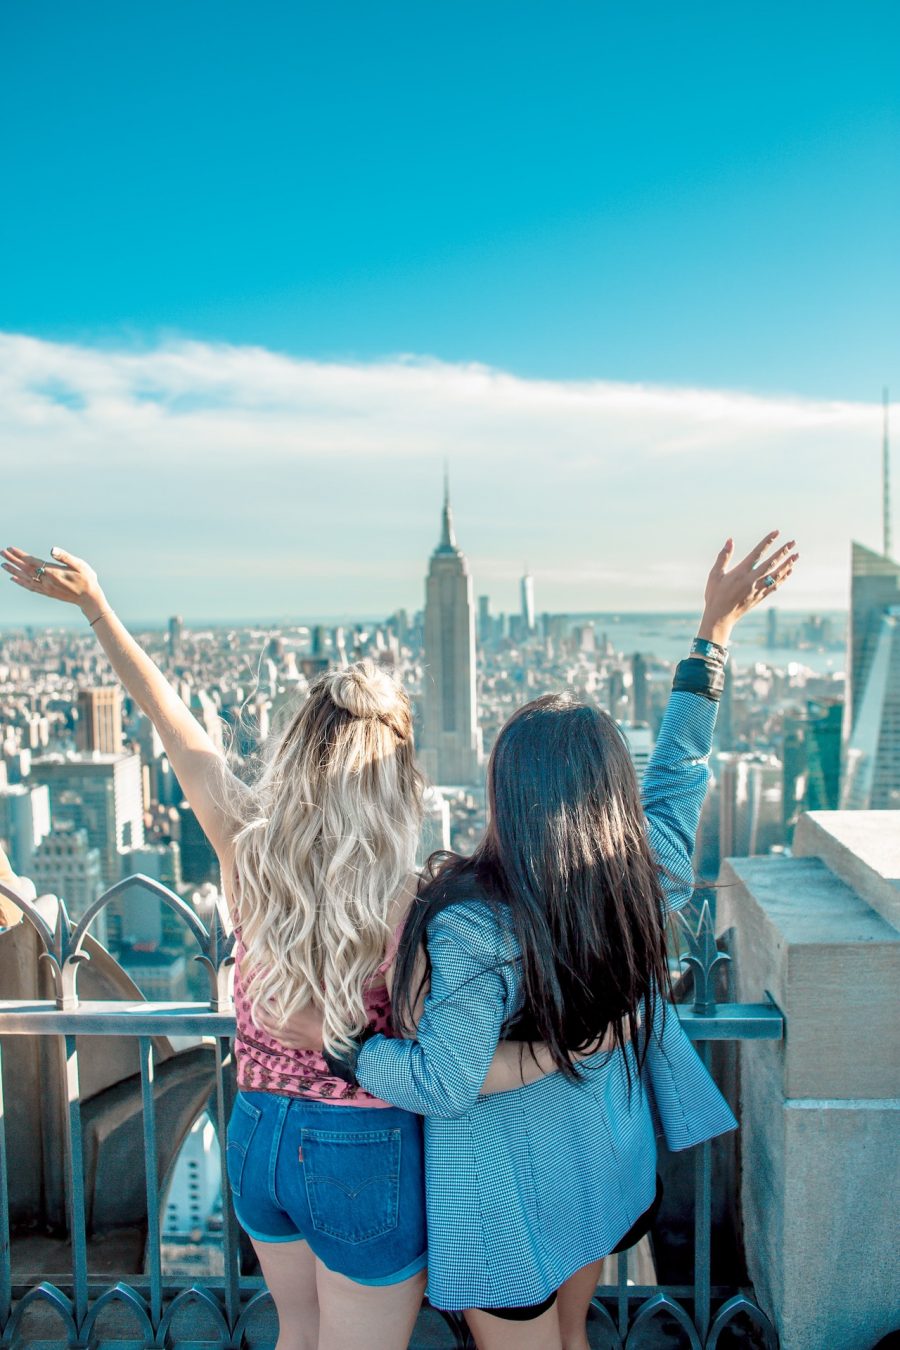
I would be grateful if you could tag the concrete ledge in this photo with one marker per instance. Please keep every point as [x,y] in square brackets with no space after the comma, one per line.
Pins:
[860,847]
[831,963]
[819,1111]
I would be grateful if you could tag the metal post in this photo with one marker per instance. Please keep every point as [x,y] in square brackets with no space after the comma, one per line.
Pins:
[622,1292]
[702,1222]
[148,1103]
[5,1255]
[75,1188]
[229,1222]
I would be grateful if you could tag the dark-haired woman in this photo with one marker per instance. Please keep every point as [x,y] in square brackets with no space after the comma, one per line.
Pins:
[554,931]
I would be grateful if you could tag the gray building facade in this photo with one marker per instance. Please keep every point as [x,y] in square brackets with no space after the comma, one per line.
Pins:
[451,743]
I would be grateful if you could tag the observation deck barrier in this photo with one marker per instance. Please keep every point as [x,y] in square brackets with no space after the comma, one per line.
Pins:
[164,1311]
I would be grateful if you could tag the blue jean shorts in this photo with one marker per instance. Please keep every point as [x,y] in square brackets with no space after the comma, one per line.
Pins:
[349,1180]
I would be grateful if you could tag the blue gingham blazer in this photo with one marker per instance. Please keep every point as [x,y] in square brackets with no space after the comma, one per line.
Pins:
[525,1187]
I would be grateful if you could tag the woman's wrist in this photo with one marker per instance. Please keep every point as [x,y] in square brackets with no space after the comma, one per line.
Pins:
[93,606]
[715,630]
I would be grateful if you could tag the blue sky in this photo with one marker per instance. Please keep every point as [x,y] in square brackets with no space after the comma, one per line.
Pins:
[695,196]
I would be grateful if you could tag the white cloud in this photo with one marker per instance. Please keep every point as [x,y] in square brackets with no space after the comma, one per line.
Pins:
[243,464]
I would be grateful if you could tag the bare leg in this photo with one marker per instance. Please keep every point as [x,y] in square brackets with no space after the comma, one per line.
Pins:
[495,1333]
[379,1317]
[289,1270]
[573,1303]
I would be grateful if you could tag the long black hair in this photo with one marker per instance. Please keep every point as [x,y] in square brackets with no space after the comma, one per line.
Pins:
[566,860]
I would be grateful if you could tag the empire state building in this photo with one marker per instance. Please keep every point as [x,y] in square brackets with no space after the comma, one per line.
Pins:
[451,743]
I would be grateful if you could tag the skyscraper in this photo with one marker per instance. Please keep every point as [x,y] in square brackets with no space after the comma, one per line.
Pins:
[874,586]
[811,759]
[451,740]
[435,833]
[485,622]
[100,720]
[871,773]
[640,689]
[198,857]
[98,793]
[639,739]
[176,632]
[24,822]
[527,588]
[872,761]
[67,865]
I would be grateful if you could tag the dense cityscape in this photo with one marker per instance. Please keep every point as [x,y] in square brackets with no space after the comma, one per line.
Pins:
[88,797]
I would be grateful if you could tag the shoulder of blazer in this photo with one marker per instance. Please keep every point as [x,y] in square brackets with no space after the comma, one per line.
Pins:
[481,929]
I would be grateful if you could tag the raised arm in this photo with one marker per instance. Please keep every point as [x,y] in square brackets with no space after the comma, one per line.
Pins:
[676,778]
[199,766]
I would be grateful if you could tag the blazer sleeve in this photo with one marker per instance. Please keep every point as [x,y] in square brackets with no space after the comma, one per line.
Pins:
[473,981]
[675,783]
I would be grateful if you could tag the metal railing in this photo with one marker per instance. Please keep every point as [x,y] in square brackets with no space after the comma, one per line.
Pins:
[231,1301]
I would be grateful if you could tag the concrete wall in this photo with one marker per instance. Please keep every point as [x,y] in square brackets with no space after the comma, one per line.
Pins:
[819,1111]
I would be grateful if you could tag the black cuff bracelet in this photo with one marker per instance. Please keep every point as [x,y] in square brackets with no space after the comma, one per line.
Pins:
[696,675]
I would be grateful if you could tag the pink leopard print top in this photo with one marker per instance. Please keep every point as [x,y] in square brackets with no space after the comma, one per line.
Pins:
[265,1065]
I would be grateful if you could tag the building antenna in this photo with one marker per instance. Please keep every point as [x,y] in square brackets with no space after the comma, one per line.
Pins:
[886,474]
[448,534]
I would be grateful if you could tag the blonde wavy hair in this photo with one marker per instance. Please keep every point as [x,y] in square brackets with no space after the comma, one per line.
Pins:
[326,846]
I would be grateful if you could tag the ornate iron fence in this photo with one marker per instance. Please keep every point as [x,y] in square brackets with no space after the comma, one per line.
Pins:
[232,1301]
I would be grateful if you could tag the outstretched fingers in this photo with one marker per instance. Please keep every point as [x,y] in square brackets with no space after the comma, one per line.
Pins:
[20,558]
[776,559]
[21,579]
[768,582]
[723,558]
[19,570]
[753,557]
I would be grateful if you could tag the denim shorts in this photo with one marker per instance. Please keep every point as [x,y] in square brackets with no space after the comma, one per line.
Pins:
[349,1180]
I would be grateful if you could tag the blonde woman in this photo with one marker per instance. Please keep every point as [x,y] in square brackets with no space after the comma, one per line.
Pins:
[316,860]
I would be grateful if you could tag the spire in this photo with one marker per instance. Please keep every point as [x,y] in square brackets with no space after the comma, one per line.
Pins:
[886,478]
[448,535]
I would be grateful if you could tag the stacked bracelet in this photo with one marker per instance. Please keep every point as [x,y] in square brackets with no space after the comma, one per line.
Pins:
[705,677]
[712,650]
[103,615]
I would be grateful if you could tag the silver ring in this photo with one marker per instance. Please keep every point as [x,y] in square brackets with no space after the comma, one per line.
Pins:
[768,582]
[39,574]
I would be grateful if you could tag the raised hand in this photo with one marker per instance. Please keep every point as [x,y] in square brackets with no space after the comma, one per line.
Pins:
[61,577]
[731,592]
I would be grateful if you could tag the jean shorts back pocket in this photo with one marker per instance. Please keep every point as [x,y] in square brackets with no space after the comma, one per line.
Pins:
[352,1182]
[241,1127]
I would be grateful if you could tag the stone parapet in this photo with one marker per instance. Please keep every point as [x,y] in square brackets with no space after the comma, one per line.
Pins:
[819,1110]
[860,847]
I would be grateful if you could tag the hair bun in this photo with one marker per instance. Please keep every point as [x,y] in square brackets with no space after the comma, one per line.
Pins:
[365,690]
